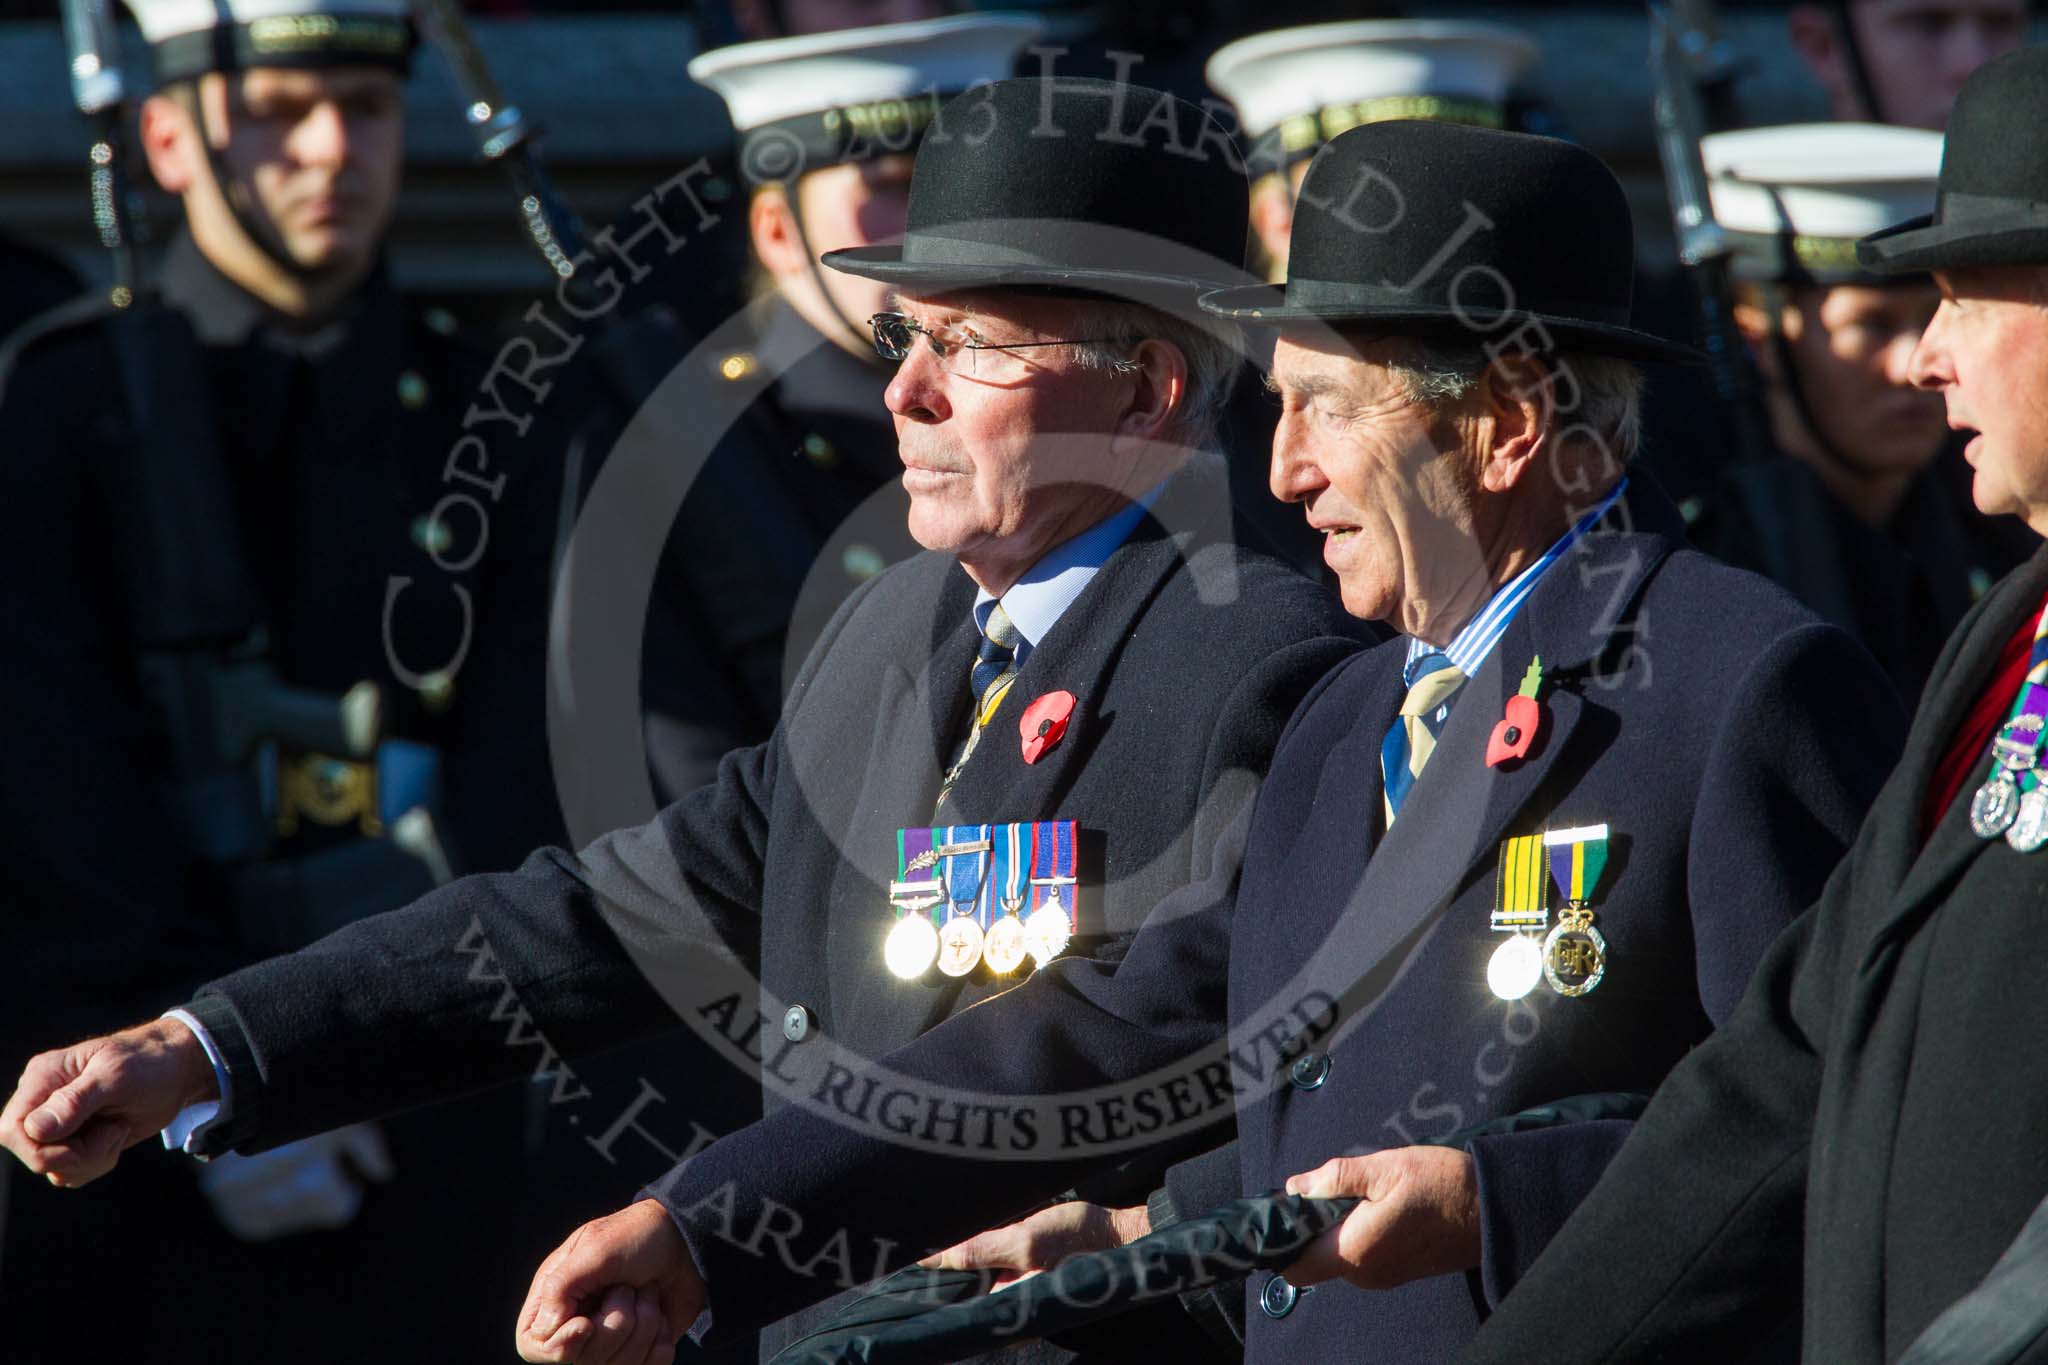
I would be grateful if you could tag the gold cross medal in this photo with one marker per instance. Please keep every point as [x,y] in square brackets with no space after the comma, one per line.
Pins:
[1574,954]
[1521,910]
[965,870]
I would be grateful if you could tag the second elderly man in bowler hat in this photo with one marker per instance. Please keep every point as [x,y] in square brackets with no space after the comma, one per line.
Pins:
[1078,686]
[1530,850]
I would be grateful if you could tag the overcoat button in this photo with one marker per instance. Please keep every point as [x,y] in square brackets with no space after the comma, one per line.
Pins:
[797,1023]
[1278,1298]
[1310,1070]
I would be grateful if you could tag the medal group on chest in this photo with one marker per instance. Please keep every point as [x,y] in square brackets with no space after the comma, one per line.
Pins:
[980,895]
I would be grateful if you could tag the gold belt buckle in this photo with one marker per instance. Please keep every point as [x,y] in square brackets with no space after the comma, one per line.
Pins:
[328,791]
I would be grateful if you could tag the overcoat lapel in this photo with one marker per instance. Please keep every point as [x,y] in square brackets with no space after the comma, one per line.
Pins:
[1078,655]
[1876,1016]
[1921,874]
[922,702]
[1459,810]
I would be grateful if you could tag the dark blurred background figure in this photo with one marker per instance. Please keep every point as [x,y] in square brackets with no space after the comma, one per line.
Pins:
[1861,511]
[799,501]
[1880,61]
[1293,90]
[269,681]
[32,280]
[1901,61]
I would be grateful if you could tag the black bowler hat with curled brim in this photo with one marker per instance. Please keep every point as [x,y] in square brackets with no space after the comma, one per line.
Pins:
[1069,185]
[1449,232]
[1991,201]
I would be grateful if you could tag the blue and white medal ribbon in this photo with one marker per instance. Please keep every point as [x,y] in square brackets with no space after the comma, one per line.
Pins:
[966,876]
[1004,948]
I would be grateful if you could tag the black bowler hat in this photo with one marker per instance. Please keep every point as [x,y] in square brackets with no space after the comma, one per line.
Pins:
[1442,230]
[1991,203]
[1087,185]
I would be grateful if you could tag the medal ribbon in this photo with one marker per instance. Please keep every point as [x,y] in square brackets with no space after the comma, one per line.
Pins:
[1052,855]
[966,873]
[1577,858]
[912,844]
[2018,746]
[1520,898]
[1010,864]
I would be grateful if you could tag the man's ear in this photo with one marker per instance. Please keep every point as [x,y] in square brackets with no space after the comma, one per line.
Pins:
[1519,394]
[771,222]
[1160,392]
[170,142]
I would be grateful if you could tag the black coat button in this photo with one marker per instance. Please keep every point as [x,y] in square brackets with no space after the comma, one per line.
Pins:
[1310,1070]
[1278,1298]
[797,1023]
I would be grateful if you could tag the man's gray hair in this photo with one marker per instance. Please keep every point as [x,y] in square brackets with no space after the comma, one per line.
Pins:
[1594,398]
[1211,354]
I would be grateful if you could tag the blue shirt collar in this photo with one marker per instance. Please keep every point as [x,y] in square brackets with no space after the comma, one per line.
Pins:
[1470,646]
[1036,601]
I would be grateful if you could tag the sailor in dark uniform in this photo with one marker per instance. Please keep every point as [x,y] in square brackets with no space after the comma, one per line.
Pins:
[799,502]
[1859,514]
[252,600]
[1296,88]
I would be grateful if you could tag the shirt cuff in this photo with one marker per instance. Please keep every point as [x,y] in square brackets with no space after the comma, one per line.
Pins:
[184,1132]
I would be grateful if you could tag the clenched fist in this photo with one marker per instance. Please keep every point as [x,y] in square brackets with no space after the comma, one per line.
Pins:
[75,1110]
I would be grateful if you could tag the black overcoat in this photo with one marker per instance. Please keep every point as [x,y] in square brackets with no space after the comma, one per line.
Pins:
[1879,1082]
[1185,656]
[1732,743]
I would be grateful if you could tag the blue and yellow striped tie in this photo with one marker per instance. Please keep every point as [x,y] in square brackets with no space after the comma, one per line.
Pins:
[1412,738]
[995,668]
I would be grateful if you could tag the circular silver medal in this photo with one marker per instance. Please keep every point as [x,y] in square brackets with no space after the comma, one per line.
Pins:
[2029,829]
[1046,932]
[1005,947]
[959,945]
[1994,806]
[911,946]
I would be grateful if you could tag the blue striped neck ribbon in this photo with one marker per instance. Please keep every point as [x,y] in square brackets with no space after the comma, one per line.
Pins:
[1475,640]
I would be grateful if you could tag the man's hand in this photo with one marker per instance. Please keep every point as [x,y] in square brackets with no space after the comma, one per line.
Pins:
[1420,1217]
[75,1110]
[1043,1240]
[621,1291]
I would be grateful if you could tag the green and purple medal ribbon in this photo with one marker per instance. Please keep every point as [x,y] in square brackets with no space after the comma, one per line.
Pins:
[2010,801]
[912,846]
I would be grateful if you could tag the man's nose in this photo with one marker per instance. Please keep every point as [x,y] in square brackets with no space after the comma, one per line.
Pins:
[918,392]
[1292,474]
[322,136]
[1928,367]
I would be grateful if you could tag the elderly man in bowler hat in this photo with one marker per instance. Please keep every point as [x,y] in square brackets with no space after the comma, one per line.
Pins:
[1529,850]
[1082,652]
[1856,1159]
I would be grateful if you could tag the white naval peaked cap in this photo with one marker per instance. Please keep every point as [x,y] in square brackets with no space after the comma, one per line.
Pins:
[1797,196]
[779,79]
[192,36]
[1311,83]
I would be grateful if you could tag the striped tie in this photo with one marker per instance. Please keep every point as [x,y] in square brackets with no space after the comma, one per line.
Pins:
[995,668]
[1412,738]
